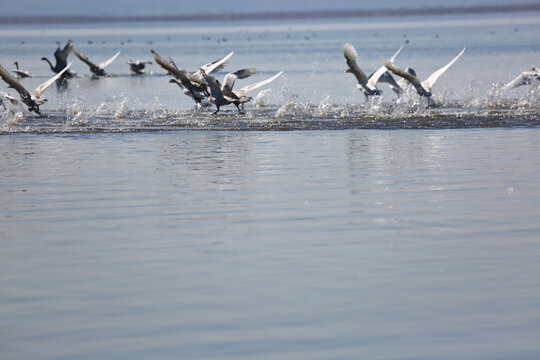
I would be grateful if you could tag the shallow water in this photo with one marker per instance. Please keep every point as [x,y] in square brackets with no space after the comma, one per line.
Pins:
[317,225]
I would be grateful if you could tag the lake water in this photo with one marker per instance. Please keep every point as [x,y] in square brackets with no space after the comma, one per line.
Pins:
[318,226]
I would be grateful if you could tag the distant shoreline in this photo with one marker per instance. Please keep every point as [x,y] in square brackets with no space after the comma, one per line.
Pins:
[293,15]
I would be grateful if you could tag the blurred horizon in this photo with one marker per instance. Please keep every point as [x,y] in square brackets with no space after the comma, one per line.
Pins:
[14,12]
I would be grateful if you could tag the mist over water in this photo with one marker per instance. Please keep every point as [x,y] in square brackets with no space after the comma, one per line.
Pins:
[318,225]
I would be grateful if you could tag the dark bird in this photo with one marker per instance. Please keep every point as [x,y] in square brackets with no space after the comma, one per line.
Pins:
[61,56]
[137,67]
[97,70]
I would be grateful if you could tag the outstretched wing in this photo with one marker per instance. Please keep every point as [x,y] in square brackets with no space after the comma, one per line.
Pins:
[107,62]
[83,58]
[430,81]
[210,68]
[374,78]
[243,91]
[10,80]
[61,55]
[230,78]
[171,67]
[37,92]
[216,65]
[525,78]
[350,58]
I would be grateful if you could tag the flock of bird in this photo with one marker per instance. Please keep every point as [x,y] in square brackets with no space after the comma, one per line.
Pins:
[201,85]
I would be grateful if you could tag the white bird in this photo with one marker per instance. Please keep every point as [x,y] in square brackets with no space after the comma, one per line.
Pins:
[137,67]
[525,78]
[423,88]
[32,100]
[97,70]
[368,84]
[21,73]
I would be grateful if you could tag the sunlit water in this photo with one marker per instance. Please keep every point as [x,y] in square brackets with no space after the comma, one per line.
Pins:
[133,226]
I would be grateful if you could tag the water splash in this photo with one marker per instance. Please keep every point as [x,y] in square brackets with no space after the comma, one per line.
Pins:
[121,111]
[261,100]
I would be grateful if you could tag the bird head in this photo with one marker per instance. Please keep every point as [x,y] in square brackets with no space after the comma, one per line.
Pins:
[411,71]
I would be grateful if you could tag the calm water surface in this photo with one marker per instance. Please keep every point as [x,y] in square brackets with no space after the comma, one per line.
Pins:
[403,244]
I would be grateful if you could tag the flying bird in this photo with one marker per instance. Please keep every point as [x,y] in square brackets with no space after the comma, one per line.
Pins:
[222,94]
[32,100]
[423,88]
[368,84]
[61,57]
[137,67]
[525,78]
[97,70]
[241,93]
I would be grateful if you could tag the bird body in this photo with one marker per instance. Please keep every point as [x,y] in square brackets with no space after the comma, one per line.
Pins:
[97,70]
[21,73]
[137,67]
[222,94]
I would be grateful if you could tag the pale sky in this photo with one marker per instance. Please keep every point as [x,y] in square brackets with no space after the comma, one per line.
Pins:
[172,7]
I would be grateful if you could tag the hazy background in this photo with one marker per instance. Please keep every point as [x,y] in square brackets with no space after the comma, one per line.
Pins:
[172,7]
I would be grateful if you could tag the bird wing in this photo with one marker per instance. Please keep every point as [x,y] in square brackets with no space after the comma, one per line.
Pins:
[4,96]
[171,67]
[217,65]
[350,57]
[374,78]
[107,62]
[37,92]
[243,91]
[83,58]
[10,80]
[525,78]
[430,81]
[210,68]
[230,78]
[67,49]
[404,74]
